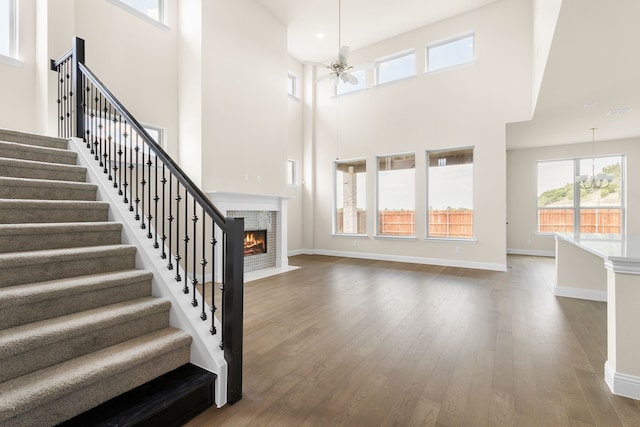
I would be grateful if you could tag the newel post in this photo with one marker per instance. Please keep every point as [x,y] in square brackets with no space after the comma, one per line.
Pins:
[76,79]
[233,307]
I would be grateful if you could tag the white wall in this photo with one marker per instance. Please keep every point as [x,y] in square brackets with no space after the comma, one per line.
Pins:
[295,147]
[545,18]
[522,189]
[244,94]
[467,106]
[17,109]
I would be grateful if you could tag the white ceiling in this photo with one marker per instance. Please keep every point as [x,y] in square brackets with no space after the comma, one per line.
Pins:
[594,57]
[364,22]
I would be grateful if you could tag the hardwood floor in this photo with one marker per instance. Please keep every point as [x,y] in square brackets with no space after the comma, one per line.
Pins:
[368,343]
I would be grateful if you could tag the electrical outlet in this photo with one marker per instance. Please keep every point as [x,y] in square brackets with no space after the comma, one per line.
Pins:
[458,249]
[355,243]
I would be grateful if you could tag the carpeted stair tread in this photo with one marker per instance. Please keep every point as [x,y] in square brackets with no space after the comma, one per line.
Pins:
[13,150]
[38,236]
[33,139]
[44,300]
[35,346]
[28,188]
[45,211]
[27,267]
[41,170]
[96,377]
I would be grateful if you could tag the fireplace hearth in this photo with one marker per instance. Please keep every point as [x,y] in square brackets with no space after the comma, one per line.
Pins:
[255,242]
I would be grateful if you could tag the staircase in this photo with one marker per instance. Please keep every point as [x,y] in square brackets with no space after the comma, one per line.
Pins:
[78,324]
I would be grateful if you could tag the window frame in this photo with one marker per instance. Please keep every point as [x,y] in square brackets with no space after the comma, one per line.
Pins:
[577,208]
[378,234]
[335,196]
[294,172]
[160,23]
[445,42]
[11,57]
[390,58]
[292,77]
[472,238]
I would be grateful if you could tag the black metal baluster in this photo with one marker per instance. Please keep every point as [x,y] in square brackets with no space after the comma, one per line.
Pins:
[213,307]
[65,100]
[186,239]
[222,283]
[127,182]
[164,202]
[87,110]
[137,149]
[149,216]
[194,280]
[170,219]
[100,130]
[107,151]
[178,257]
[120,136]
[94,119]
[156,199]
[203,263]
[143,183]
[115,137]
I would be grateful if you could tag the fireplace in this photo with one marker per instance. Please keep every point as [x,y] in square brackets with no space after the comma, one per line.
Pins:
[255,242]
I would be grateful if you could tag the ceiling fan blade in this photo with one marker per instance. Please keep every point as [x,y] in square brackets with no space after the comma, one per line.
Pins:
[351,78]
[343,55]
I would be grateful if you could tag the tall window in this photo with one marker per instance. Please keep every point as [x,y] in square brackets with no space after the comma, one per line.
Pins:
[450,193]
[8,28]
[153,9]
[450,53]
[396,195]
[344,88]
[292,172]
[396,67]
[351,197]
[563,206]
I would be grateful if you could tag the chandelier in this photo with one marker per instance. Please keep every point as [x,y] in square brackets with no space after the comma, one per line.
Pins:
[601,180]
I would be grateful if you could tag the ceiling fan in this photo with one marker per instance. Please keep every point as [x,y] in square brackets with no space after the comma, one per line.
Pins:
[340,69]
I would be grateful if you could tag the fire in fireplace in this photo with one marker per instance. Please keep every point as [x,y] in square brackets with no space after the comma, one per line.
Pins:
[255,242]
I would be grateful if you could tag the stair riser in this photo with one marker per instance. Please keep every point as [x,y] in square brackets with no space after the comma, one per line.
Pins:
[35,140]
[97,390]
[98,337]
[71,301]
[44,192]
[12,151]
[27,215]
[35,242]
[16,170]
[35,271]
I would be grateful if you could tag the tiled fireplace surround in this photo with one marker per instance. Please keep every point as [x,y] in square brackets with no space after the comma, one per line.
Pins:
[259,212]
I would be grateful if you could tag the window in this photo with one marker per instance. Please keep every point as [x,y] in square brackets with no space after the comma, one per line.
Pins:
[450,193]
[292,172]
[351,192]
[450,53]
[152,10]
[396,195]
[8,28]
[563,206]
[344,88]
[396,67]
[292,86]
[157,133]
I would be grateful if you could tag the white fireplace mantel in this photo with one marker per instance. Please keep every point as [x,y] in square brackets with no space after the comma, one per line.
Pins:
[227,201]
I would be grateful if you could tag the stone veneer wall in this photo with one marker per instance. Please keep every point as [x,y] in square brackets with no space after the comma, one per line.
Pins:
[260,220]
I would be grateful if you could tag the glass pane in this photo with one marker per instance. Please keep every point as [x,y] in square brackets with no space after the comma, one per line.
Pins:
[343,87]
[396,195]
[396,68]
[602,221]
[5,27]
[450,54]
[351,202]
[291,87]
[607,188]
[555,184]
[150,8]
[555,220]
[450,194]
[290,172]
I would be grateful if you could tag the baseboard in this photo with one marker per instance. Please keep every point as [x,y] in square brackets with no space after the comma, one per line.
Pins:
[513,251]
[414,260]
[300,252]
[580,293]
[622,384]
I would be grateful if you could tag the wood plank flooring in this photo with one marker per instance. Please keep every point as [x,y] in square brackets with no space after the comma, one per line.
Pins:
[344,342]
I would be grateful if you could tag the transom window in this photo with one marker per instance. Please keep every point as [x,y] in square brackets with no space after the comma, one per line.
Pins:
[396,67]
[150,9]
[292,172]
[450,193]
[564,206]
[450,53]
[8,28]
[396,195]
[292,85]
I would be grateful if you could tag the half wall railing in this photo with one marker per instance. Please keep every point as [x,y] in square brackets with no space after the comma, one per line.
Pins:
[180,221]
